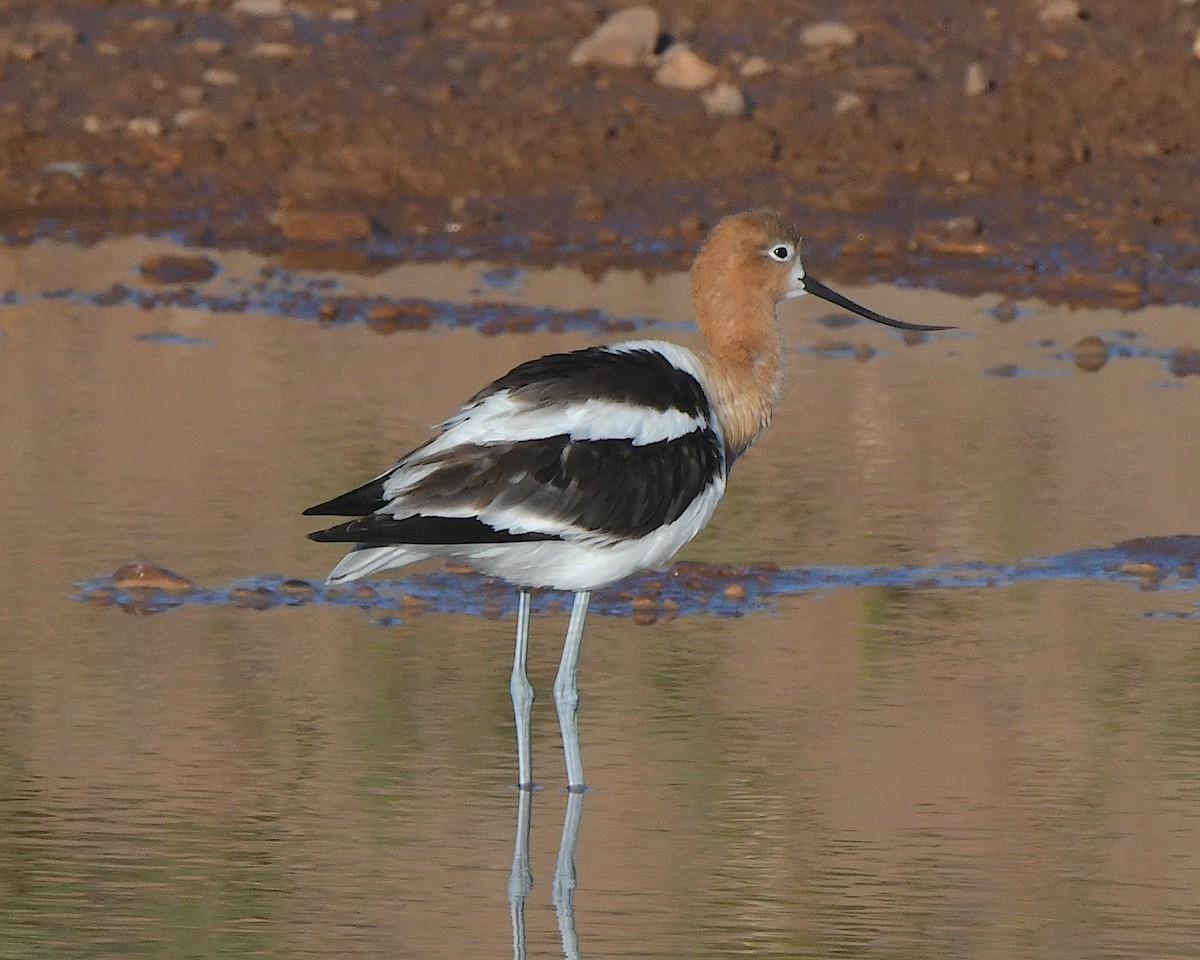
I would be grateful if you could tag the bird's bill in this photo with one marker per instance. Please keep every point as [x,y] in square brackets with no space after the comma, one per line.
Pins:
[818,289]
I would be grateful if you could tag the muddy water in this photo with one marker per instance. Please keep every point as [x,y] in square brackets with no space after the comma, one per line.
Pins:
[955,712]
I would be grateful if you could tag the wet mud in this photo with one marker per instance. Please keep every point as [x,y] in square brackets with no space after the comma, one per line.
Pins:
[687,589]
[1030,149]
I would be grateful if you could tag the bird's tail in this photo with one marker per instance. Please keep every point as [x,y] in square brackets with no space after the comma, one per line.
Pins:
[364,561]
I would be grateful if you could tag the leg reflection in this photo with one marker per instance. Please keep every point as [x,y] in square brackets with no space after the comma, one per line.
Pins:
[564,876]
[520,880]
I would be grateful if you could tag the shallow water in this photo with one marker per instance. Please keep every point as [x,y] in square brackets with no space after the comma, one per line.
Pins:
[914,693]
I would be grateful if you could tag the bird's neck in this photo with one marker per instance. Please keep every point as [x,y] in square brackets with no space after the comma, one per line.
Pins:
[744,363]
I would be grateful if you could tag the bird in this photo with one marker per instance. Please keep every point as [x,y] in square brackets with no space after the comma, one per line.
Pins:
[577,469]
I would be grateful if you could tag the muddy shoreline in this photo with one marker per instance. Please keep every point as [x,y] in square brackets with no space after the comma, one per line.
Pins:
[991,149]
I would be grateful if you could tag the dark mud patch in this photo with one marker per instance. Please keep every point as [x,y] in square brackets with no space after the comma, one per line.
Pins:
[686,589]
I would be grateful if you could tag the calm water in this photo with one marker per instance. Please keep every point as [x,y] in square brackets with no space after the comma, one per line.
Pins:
[928,770]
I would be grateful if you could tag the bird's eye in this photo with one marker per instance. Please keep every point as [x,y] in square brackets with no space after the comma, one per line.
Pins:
[781,252]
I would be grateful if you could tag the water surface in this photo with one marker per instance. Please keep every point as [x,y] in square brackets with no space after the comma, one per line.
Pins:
[889,759]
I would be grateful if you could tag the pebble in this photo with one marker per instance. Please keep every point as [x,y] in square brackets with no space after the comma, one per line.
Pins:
[324,226]
[147,576]
[75,169]
[976,81]
[829,33]
[1054,13]
[623,40]
[273,50]
[848,102]
[144,127]
[1144,569]
[724,100]
[1184,361]
[208,46]
[1091,353]
[218,77]
[755,66]
[260,8]
[392,317]
[683,69]
[343,15]
[177,268]
[297,589]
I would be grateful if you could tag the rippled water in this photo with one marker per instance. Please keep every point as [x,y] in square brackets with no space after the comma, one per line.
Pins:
[924,688]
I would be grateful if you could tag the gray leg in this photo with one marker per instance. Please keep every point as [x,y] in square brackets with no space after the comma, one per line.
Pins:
[522,692]
[566,696]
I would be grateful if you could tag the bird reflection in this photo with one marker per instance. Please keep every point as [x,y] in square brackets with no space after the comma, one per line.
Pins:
[520,880]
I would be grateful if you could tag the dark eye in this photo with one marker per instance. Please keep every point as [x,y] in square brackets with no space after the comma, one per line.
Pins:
[781,252]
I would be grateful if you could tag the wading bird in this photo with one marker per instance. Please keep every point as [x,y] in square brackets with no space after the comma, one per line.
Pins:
[577,469]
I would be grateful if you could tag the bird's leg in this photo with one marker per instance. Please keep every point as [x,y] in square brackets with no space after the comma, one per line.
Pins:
[522,692]
[566,696]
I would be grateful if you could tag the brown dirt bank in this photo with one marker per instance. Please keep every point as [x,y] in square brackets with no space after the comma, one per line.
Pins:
[425,130]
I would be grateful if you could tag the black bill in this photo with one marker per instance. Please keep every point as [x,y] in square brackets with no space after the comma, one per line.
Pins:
[818,289]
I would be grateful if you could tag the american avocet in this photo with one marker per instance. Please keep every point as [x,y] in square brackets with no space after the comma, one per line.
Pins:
[577,469]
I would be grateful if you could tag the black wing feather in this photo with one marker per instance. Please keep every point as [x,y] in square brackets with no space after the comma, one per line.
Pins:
[608,487]
[382,530]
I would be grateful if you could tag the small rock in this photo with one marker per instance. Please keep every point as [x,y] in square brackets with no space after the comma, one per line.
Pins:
[755,66]
[392,317]
[93,124]
[252,598]
[273,50]
[1054,13]
[177,268]
[623,40]
[297,589]
[260,8]
[191,117]
[724,100]
[343,15]
[829,33]
[208,46]
[1091,353]
[734,591]
[976,81]
[147,576]
[1143,569]
[848,102]
[75,169]
[1184,361]
[324,226]
[590,206]
[217,77]
[684,69]
[153,26]
[144,127]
